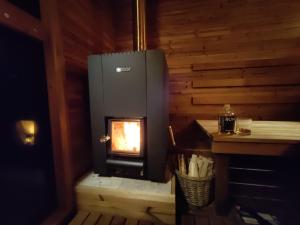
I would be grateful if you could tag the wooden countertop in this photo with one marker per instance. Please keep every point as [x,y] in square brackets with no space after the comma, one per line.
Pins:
[261,132]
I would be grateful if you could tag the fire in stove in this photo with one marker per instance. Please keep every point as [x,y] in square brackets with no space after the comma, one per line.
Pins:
[125,137]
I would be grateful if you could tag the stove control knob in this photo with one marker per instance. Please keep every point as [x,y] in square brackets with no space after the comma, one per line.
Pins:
[104,138]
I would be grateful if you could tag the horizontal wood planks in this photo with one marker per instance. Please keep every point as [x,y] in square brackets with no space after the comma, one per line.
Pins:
[93,218]
[264,182]
[205,216]
[237,52]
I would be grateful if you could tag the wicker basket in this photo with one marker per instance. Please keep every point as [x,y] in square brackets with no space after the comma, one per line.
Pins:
[196,190]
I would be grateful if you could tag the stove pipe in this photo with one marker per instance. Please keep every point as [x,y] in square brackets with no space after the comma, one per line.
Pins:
[139,25]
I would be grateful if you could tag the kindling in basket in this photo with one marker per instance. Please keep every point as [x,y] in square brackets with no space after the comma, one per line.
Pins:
[196,184]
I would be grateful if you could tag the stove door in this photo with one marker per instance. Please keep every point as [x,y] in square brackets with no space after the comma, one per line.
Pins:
[126,137]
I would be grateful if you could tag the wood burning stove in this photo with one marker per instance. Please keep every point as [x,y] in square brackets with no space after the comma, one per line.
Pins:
[129,114]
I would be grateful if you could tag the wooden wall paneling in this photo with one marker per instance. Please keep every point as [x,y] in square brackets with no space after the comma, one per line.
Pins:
[265,95]
[87,28]
[86,31]
[78,105]
[186,59]
[105,20]
[245,53]
[214,46]
[60,129]
[21,21]
[263,76]
[246,64]
[123,25]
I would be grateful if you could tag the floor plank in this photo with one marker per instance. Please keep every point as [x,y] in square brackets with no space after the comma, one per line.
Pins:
[197,216]
[105,220]
[92,218]
[118,220]
[131,221]
[79,218]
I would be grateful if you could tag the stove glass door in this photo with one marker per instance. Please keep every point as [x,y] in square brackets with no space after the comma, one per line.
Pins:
[126,137]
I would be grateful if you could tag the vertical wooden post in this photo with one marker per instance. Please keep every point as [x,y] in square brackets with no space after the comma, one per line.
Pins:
[59,117]
[221,186]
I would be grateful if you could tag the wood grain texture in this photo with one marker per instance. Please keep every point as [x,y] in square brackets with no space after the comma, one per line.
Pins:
[105,220]
[274,132]
[131,221]
[80,218]
[149,207]
[246,52]
[87,28]
[267,138]
[59,118]
[118,220]
[78,109]
[92,218]
[239,52]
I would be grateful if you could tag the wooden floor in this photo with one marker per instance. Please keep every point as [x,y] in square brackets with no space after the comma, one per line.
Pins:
[189,219]
[207,216]
[92,218]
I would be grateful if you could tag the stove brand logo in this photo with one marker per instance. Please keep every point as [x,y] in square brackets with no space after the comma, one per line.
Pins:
[123,69]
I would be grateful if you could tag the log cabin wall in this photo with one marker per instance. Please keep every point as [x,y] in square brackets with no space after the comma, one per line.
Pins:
[245,53]
[86,29]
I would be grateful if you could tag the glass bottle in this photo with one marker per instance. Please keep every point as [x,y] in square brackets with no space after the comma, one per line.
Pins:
[227,121]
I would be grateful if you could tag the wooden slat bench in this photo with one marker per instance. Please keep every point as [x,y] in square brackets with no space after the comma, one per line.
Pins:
[96,218]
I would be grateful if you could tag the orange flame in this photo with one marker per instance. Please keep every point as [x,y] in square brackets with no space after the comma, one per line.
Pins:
[126,137]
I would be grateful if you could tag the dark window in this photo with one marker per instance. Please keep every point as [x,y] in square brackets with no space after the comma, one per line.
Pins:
[26,162]
[30,6]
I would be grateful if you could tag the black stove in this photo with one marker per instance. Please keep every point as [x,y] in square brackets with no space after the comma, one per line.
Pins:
[129,114]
